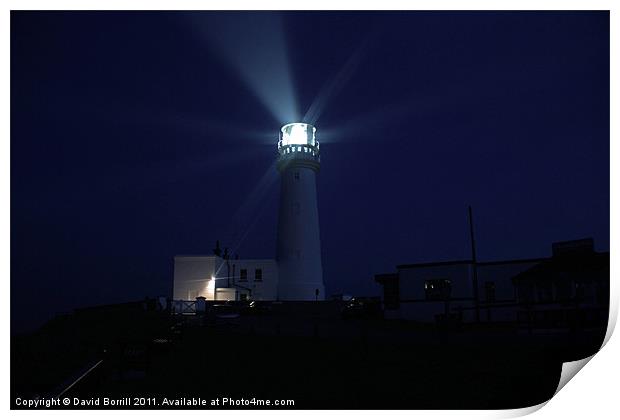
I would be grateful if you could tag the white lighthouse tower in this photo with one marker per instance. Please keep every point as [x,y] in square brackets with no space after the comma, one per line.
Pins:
[299,242]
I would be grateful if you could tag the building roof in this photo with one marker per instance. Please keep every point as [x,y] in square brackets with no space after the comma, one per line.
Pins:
[195,257]
[574,263]
[210,256]
[517,261]
[433,264]
[461,262]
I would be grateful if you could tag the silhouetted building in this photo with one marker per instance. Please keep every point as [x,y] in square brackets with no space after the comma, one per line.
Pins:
[572,288]
[571,285]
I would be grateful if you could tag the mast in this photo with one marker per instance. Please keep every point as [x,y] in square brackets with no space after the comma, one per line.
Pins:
[474,265]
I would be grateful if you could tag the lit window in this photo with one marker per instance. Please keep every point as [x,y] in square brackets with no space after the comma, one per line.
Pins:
[299,148]
[437,289]
[298,133]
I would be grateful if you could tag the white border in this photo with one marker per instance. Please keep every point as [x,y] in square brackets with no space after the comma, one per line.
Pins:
[593,394]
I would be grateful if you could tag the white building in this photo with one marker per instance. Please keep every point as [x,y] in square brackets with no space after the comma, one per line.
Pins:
[299,242]
[216,278]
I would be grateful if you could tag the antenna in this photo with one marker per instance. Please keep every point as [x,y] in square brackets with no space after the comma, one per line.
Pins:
[217,250]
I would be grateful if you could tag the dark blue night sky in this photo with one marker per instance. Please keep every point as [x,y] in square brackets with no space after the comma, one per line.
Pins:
[139,136]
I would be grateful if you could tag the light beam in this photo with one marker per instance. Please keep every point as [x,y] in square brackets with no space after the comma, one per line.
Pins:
[335,84]
[254,45]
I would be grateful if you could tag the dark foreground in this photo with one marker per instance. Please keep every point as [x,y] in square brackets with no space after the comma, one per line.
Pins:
[300,352]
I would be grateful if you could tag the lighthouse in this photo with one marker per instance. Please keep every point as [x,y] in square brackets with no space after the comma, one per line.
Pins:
[299,242]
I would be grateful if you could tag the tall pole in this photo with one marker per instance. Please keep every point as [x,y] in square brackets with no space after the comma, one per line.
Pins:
[474,265]
[228,274]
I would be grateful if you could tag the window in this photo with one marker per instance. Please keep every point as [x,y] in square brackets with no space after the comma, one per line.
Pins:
[258,274]
[489,288]
[437,289]
[563,289]
[580,291]
[544,289]
[243,274]
[297,176]
[525,291]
